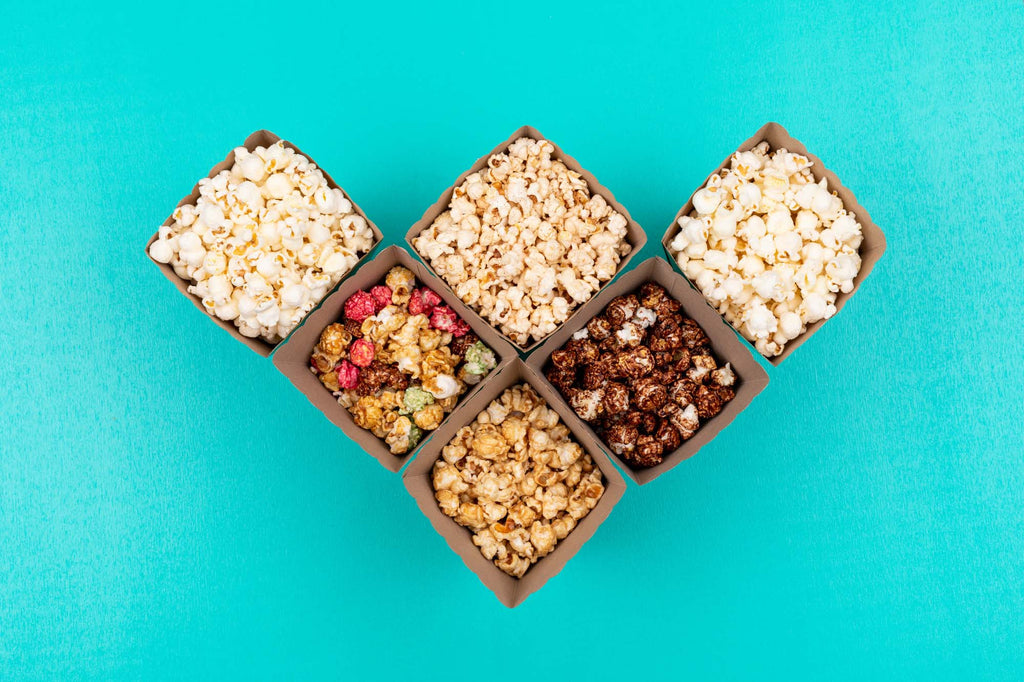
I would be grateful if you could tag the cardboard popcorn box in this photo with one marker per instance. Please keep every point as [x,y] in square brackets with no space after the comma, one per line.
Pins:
[635,234]
[417,478]
[261,138]
[725,344]
[871,249]
[292,356]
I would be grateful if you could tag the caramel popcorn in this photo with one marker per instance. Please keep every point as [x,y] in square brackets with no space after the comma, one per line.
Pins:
[429,418]
[524,242]
[367,412]
[397,373]
[642,375]
[335,339]
[516,479]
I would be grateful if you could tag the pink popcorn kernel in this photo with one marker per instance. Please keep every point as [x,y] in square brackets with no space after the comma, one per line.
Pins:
[348,375]
[422,301]
[429,297]
[381,296]
[360,306]
[444,318]
[361,352]
[460,328]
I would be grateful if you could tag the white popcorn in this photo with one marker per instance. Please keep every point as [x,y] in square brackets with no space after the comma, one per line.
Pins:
[269,316]
[753,228]
[760,321]
[846,229]
[338,263]
[162,251]
[779,220]
[769,246]
[226,311]
[787,245]
[748,195]
[790,325]
[265,241]
[193,258]
[220,289]
[814,307]
[716,260]
[842,269]
[524,242]
[706,200]
[724,224]
[807,223]
[189,241]
[294,295]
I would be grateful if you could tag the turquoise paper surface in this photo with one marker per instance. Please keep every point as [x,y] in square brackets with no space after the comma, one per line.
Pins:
[170,508]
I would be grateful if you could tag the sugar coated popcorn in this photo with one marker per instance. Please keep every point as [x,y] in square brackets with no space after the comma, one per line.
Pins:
[397,372]
[264,242]
[517,480]
[769,246]
[524,242]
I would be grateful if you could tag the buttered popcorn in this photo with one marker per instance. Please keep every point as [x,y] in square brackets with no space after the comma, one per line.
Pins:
[517,480]
[265,241]
[769,246]
[524,242]
[399,360]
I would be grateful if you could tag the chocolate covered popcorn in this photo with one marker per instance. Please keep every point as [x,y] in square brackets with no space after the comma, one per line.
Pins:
[516,479]
[769,246]
[265,241]
[399,372]
[524,242]
[642,375]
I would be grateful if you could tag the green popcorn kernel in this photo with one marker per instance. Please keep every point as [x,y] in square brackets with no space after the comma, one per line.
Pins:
[415,434]
[416,399]
[480,359]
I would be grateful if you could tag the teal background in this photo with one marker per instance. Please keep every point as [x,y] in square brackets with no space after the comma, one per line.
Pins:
[170,508]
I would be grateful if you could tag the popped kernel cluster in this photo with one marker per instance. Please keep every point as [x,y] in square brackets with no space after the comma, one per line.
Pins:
[643,375]
[264,242]
[769,247]
[523,242]
[517,480]
[399,360]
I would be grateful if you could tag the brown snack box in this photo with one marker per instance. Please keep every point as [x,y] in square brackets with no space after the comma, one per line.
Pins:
[634,233]
[417,478]
[261,138]
[871,249]
[725,344]
[292,357]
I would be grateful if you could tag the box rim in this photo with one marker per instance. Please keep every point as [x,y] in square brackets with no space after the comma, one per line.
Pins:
[753,378]
[636,235]
[869,256]
[262,137]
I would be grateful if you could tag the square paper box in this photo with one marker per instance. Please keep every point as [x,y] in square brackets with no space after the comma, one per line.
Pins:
[417,478]
[261,138]
[750,376]
[292,357]
[870,250]
[634,233]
